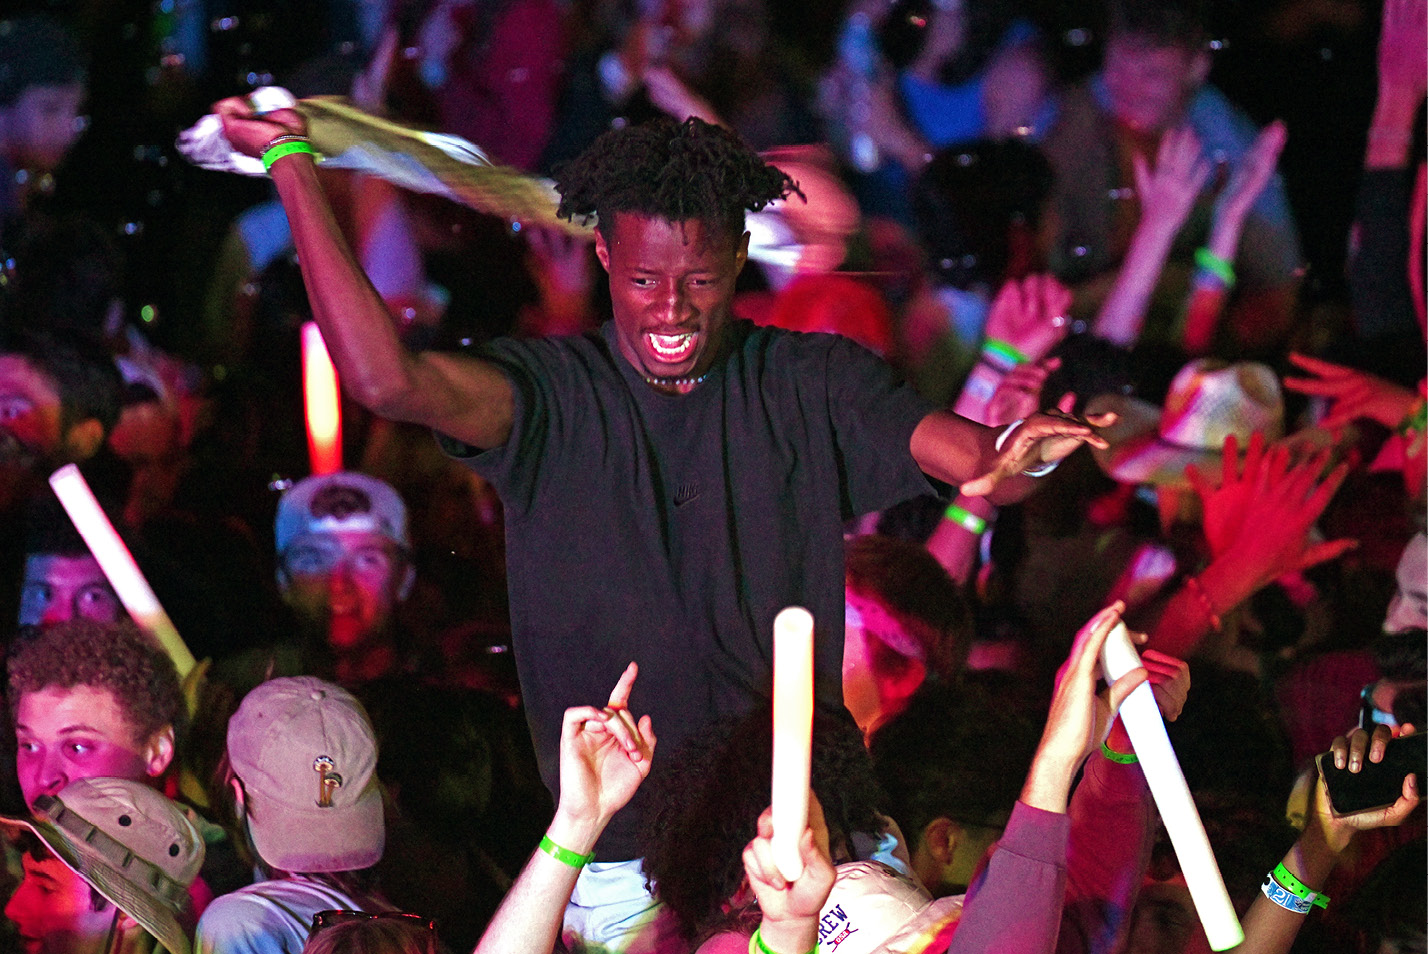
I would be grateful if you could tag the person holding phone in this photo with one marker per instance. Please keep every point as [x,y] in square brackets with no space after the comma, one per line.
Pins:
[1294,887]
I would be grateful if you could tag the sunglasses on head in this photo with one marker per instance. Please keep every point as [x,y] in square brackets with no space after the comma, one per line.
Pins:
[327,919]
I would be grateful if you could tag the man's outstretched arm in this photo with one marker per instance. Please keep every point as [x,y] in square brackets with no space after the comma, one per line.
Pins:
[463,397]
[964,453]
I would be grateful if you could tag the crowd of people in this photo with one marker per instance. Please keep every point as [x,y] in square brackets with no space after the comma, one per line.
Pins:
[978,329]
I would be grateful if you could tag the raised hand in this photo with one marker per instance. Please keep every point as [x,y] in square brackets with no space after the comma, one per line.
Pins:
[1030,315]
[604,756]
[1355,394]
[1251,174]
[249,131]
[1079,718]
[790,908]
[1259,519]
[1168,192]
[1041,439]
[1169,679]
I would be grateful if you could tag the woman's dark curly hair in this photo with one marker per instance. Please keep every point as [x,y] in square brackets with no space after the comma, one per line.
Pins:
[704,807]
[673,171]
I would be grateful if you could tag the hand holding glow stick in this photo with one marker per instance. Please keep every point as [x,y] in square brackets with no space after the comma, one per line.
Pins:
[1177,809]
[322,402]
[118,565]
[792,735]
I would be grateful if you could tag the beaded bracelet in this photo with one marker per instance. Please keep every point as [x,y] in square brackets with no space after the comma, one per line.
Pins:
[757,945]
[1193,585]
[966,519]
[1287,891]
[564,855]
[1120,758]
[1221,268]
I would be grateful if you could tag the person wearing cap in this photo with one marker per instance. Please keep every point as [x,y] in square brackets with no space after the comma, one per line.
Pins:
[303,764]
[344,569]
[108,871]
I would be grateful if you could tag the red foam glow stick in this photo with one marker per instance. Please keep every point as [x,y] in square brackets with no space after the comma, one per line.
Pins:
[322,403]
[792,735]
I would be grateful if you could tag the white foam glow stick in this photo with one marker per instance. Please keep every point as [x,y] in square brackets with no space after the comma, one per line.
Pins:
[322,403]
[792,735]
[1172,797]
[118,564]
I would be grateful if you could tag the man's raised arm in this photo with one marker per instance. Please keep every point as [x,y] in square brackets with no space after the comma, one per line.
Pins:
[463,397]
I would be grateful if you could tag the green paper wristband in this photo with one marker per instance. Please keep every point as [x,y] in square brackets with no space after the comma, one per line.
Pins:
[757,945]
[1120,758]
[1414,420]
[291,147]
[966,519]
[564,855]
[1294,886]
[1005,356]
[1223,269]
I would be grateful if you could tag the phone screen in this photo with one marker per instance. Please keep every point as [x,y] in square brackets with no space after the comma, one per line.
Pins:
[1377,784]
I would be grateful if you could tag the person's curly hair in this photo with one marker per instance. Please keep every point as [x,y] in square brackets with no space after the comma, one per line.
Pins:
[678,172]
[704,807]
[119,657]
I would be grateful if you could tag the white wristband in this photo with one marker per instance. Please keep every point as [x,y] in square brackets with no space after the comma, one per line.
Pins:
[1041,471]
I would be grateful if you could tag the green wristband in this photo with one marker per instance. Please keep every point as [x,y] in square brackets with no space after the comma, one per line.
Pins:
[564,855]
[757,945]
[1223,269]
[1120,758]
[1294,886]
[1414,420]
[966,520]
[288,148]
[1002,355]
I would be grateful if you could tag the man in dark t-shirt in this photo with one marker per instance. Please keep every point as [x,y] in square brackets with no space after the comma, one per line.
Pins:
[675,480]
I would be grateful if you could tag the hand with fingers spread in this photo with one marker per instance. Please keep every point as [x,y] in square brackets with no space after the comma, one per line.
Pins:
[1355,394]
[1030,315]
[1079,718]
[1248,179]
[1045,438]
[1258,521]
[790,908]
[604,756]
[1168,192]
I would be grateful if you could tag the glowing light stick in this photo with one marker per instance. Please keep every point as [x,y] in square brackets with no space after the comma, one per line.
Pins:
[118,565]
[792,735]
[1172,797]
[322,403]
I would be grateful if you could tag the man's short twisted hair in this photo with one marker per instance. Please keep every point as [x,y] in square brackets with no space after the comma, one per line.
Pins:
[673,171]
[114,656]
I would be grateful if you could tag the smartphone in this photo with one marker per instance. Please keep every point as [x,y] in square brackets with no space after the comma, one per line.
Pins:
[1377,784]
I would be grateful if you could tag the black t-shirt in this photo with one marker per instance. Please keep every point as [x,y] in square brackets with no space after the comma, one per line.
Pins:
[670,530]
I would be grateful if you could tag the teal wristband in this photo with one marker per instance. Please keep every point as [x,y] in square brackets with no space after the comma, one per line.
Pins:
[564,855]
[1001,355]
[1207,261]
[757,945]
[966,519]
[286,148]
[1120,758]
